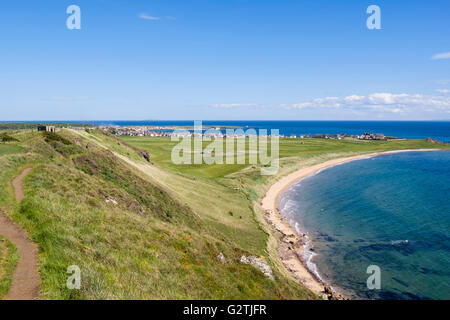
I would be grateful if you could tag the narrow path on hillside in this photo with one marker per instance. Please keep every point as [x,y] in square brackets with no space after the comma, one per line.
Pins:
[17,183]
[26,279]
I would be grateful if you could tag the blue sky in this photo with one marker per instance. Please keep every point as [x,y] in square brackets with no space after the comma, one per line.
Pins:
[224,59]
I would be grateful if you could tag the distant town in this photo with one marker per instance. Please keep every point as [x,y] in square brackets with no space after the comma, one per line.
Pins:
[218,132]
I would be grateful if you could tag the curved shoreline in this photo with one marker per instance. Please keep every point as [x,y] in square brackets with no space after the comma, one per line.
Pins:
[291,245]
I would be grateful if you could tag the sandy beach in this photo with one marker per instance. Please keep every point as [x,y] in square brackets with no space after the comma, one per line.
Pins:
[291,244]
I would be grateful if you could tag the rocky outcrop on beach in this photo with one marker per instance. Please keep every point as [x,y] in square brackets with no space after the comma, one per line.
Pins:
[290,251]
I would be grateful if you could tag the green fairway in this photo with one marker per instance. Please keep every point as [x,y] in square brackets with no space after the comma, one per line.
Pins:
[9,149]
[160,149]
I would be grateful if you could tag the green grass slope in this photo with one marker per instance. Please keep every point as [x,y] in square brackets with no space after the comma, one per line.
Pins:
[9,149]
[8,261]
[131,237]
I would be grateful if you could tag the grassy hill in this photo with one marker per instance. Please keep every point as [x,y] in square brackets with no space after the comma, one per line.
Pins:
[130,236]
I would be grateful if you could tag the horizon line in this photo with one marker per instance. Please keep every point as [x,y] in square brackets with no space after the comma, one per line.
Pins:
[177,120]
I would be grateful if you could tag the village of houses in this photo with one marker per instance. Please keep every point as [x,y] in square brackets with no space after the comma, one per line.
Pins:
[144,131]
[217,132]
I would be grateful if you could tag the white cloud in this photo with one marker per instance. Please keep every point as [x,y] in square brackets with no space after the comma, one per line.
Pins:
[233,105]
[377,105]
[443,90]
[353,98]
[148,17]
[382,102]
[439,56]
[330,102]
[69,98]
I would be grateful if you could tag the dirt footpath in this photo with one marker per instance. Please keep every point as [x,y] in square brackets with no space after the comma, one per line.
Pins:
[26,279]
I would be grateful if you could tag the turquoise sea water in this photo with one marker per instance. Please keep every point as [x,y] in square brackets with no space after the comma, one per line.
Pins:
[392,211]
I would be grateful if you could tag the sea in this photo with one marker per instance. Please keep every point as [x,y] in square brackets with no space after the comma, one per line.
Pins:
[391,211]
